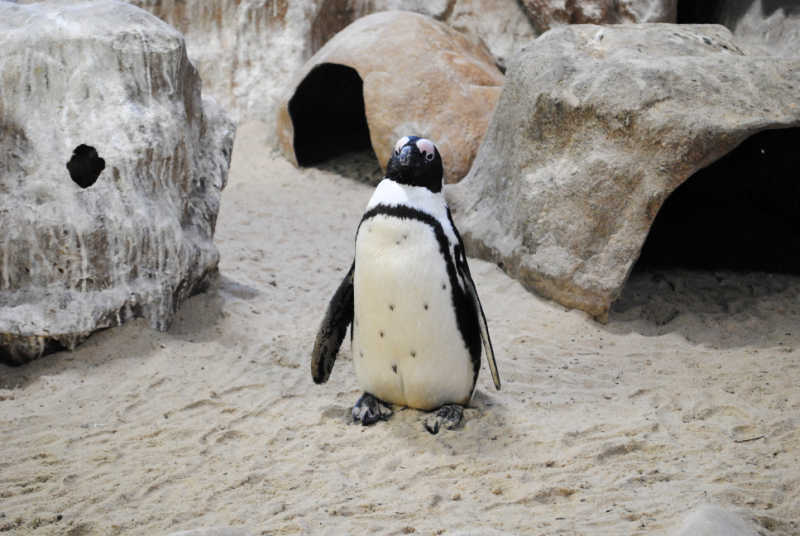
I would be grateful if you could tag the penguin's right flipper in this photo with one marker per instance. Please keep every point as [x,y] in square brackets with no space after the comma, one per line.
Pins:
[333,329]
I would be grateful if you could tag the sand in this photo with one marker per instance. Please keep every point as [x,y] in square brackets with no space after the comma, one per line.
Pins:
[688,396]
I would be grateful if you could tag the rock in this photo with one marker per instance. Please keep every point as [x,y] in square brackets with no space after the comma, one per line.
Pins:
[595,128]
[770,27]
[419,77]
[245,50]
[546,14]
[710,520]
[502,25]
[111,171]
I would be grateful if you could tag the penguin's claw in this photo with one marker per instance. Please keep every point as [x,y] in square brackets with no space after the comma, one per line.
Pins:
[369,410]
[448,416]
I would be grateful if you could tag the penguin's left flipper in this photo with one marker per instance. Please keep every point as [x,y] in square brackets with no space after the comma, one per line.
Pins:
[463,270]
[333,329]
[448,416]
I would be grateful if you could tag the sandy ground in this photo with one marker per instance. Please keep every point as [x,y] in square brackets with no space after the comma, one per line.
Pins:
[689,396]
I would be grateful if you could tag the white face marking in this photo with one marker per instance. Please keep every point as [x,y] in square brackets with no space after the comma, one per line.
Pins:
[427,148]
[399,145]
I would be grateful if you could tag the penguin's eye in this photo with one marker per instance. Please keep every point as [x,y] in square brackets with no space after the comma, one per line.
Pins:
[427,148]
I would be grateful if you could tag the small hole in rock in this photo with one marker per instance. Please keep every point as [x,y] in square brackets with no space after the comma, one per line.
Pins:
[85,165]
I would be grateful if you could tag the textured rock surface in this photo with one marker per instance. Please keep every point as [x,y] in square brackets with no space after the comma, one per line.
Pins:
[546,14]
[81,251]
[710,520]
[245,50]
[765,26]
[503,25]
[595,128]
[419,77]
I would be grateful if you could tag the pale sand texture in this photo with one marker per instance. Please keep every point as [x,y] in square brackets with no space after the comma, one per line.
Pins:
[619,429]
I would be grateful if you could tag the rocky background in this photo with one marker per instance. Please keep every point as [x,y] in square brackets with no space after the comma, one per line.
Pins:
[581,252]
[621,158]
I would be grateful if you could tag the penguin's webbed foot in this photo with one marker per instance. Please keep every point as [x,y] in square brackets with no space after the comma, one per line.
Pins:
[448,416]
[369,410]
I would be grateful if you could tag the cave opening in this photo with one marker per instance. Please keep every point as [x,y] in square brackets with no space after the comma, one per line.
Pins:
[85,165]
[707,12]
[721,263]
[729,12]
[741,213]
[328,115]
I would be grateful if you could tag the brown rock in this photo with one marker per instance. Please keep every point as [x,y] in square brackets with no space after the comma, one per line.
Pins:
[409,74]
[501,24]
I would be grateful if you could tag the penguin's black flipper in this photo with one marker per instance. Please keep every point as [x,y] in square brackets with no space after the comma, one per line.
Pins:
[466,277]
[463,269]
[333,329]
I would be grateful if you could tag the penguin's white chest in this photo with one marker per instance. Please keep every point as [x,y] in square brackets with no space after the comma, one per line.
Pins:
[407,348]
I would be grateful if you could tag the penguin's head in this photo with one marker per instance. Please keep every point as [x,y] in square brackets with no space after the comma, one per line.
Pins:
[416,161]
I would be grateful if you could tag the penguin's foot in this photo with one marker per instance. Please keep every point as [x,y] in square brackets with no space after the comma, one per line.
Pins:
[369,410]
[448,416]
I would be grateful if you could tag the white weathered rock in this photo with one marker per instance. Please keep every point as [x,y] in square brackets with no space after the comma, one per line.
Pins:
[547,14]
[595,128]
[503,25]
[711,520]
[420,77]
[244,50]
[108,81]
[770,27]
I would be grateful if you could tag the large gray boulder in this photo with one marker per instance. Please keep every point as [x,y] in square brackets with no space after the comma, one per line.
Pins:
[595,128]
[111,171]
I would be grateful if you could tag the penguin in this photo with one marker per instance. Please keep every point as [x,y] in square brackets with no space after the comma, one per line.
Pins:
[417,322]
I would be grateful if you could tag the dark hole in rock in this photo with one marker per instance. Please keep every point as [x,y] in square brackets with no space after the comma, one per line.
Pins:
[729,12]
[741,213]
[85,165]
[327,112]
[706,12]
[721,265]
